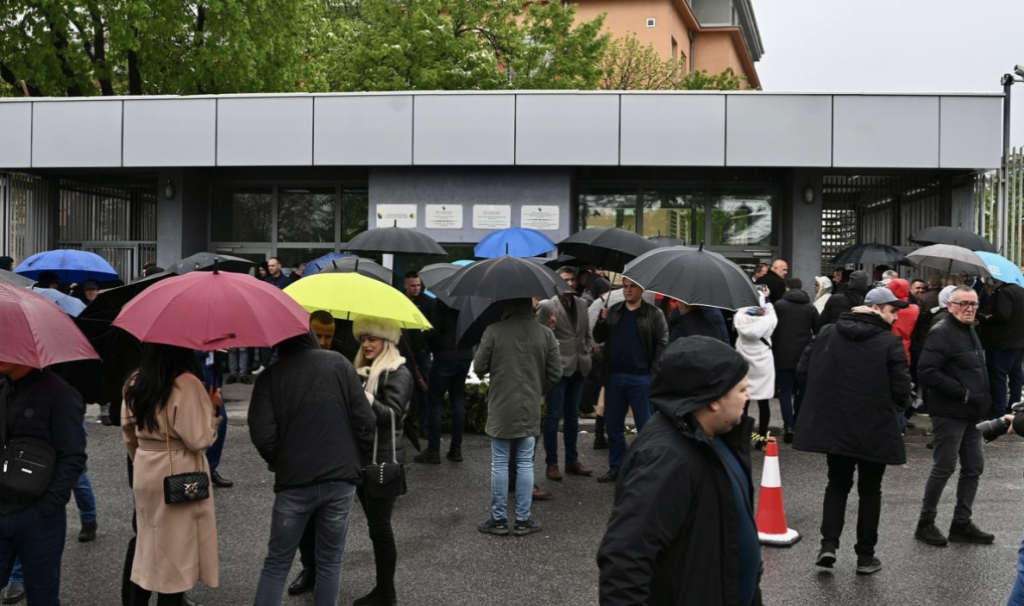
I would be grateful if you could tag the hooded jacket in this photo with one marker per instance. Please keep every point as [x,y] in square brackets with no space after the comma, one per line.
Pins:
[672,535]
[857,383]
[840,303]
[798,320]
[754,342]
[953,372]
[824,292]
[906,321]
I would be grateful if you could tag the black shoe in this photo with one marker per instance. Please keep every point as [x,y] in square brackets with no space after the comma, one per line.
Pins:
[600,442]
[370,599]
[187,601]
[826,556]
[454,455]
[245,379]
[492,526]
[610,476]
[13,593]
[967,532]
[911,425]
[525,527]
[88,532]
[927,533]
[231,379]
[220,481]
[428,456]
[868,565]
[105,415]
[787,436]
[303,583]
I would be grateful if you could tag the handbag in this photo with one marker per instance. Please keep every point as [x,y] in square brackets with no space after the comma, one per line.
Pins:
[384,480]
[184,487]
[27,464]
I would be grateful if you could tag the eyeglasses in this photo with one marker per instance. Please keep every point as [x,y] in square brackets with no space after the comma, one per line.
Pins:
[963,304]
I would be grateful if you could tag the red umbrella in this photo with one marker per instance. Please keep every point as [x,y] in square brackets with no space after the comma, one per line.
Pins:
[36,332]
[213,310]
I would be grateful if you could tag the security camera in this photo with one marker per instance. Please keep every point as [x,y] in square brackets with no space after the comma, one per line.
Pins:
[1019,70]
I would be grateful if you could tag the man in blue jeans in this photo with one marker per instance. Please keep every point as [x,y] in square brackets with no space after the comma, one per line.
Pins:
[1002,334]
[634,334]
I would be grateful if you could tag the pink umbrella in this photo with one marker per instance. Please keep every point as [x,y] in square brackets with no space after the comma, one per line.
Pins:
[35,332]
[213,310]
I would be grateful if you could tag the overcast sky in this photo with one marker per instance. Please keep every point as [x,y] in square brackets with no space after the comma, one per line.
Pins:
[892,46]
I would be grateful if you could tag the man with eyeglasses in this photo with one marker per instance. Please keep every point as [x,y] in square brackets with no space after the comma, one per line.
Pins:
[953,372]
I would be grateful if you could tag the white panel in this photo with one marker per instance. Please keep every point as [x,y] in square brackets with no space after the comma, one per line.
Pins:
[464,129]
[358,130]
[673,130]
[76,133]
[778,130]
[567,129]
[971,132]
[265,131]
[16,135]
[170,132]
[886,132]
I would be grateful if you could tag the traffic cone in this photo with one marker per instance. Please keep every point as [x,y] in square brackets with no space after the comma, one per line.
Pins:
[771,512]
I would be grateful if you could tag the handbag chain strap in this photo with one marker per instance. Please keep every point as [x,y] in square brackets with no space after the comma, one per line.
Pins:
[170,457]
[394,455]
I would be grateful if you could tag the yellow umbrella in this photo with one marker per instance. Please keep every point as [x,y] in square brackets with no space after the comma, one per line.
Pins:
[347,295]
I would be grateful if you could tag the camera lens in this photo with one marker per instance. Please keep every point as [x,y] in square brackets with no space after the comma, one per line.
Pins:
[990,430]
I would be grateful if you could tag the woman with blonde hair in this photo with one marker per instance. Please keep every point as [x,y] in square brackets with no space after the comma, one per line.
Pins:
[389,387]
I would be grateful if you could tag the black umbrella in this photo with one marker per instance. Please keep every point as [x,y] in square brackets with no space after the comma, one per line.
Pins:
[432,274]
[562,261]
[475,315]
[871,254]
[606,247]
[10,277]
[205,261]
[501,279]
[364,267]
[694,276]
[395,240]
[943,234]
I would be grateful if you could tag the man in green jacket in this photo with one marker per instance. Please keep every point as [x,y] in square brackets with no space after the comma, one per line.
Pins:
[524,362]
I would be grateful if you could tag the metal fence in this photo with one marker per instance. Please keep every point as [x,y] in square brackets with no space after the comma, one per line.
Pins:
[986,200]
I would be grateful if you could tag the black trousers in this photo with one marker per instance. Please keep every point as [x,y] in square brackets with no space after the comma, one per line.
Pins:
[385,553]
[764,415]
[869,490]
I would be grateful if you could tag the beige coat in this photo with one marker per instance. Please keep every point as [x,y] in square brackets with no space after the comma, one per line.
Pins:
[177,544]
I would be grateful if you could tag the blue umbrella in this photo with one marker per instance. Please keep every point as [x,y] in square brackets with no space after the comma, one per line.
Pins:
[321,263]
[68,304]
[1001,268]
[70,266]
[463,262]
[514,242]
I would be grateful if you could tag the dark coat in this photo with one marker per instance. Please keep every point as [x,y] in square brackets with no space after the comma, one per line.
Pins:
[842,302]
[394,392]
[858,381]
[953,372]
[798,319]
[653,333]
[692,324]
[775,283]
[443,341]
[418,338]
[1004,329]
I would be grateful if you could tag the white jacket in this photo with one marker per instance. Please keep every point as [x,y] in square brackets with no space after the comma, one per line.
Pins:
[751,329]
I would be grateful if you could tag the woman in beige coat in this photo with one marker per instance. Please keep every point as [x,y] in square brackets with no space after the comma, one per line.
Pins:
[177,544]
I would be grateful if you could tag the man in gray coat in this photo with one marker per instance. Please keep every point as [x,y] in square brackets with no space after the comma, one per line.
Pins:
[523,360]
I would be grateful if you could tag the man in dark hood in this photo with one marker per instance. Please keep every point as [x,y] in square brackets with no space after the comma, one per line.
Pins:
[842,302]
[682,529]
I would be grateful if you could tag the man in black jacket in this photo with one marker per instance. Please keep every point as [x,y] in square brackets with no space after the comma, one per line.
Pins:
[1002,333]
[682,529]
[40,405]
[798,320]
[952,371]
[857,382]
[311,422]
[418,342]
[842,302]
[775,280]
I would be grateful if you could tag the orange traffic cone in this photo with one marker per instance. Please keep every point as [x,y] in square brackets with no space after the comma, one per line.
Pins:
[771,512]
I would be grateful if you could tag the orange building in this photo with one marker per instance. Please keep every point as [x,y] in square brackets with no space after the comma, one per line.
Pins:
[703,34]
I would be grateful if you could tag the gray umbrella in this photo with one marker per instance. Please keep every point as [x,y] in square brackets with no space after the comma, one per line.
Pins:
[950,259]
[10,277]
[694,276]
[432,274]
[364,267]
[395,240]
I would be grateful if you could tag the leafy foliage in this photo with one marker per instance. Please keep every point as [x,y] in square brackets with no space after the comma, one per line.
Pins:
[631,65]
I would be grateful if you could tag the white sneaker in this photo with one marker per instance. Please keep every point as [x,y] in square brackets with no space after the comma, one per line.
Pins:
[258,370]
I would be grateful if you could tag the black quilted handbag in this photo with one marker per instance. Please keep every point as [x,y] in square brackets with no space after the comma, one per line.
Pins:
[384,480]
[184,487]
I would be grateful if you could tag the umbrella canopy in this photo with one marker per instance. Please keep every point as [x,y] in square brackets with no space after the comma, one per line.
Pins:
[36,332]
[108,303]
[503,278]
[321,263]
[68,304]
[667,241]
[213,310]
[432,274]
[950,259]
[944,234]
[562,261]
[363,267]
[515,242]
[70,266]
[397,240]
[475,315]
[1001,268]
[349,295]
[9,277]
[694,276]
[606,247]
[871,254]
[205,261]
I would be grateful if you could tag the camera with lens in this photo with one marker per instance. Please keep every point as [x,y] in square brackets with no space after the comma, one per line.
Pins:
[990,430]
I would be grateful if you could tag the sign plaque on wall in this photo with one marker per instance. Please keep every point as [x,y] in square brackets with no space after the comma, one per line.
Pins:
[443,216]
[396,215]
[544,218]
[492,216]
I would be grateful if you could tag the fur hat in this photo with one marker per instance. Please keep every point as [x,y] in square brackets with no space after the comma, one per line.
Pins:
[376,327]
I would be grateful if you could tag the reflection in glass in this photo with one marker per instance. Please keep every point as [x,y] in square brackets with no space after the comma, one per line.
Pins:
[675,213]
[612,208]
[242,214]
[355,207]
[305,214]
[742,218]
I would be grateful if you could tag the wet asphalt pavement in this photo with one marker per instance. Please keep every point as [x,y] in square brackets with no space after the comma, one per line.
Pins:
[444,561]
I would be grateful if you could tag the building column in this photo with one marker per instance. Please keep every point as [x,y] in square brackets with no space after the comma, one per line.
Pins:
[182,220]
[801,226]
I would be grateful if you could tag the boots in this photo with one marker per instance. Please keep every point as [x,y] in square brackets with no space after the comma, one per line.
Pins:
[600,441]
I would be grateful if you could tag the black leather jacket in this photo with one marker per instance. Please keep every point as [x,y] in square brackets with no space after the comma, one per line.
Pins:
[653,333]
[394,392]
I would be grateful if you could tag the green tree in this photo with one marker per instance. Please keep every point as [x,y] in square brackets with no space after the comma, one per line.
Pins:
[629,64]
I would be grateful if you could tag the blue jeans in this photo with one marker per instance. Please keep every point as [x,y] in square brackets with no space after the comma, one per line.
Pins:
[785,382]
[39,543]
[501,450]
[563,401]
[423,361]
[1017,593]
[624,391]
[1003,364]
[214,452]
[330,504]
[85,498]
[447,377]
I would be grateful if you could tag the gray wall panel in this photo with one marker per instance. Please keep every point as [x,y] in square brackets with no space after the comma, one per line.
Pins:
[673,130]
[778,130]
[567,129]
[886,132]
[462,129]
[265,131]
[363,131]
[170,132]
[15,135]
[970,129]
[76,134]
